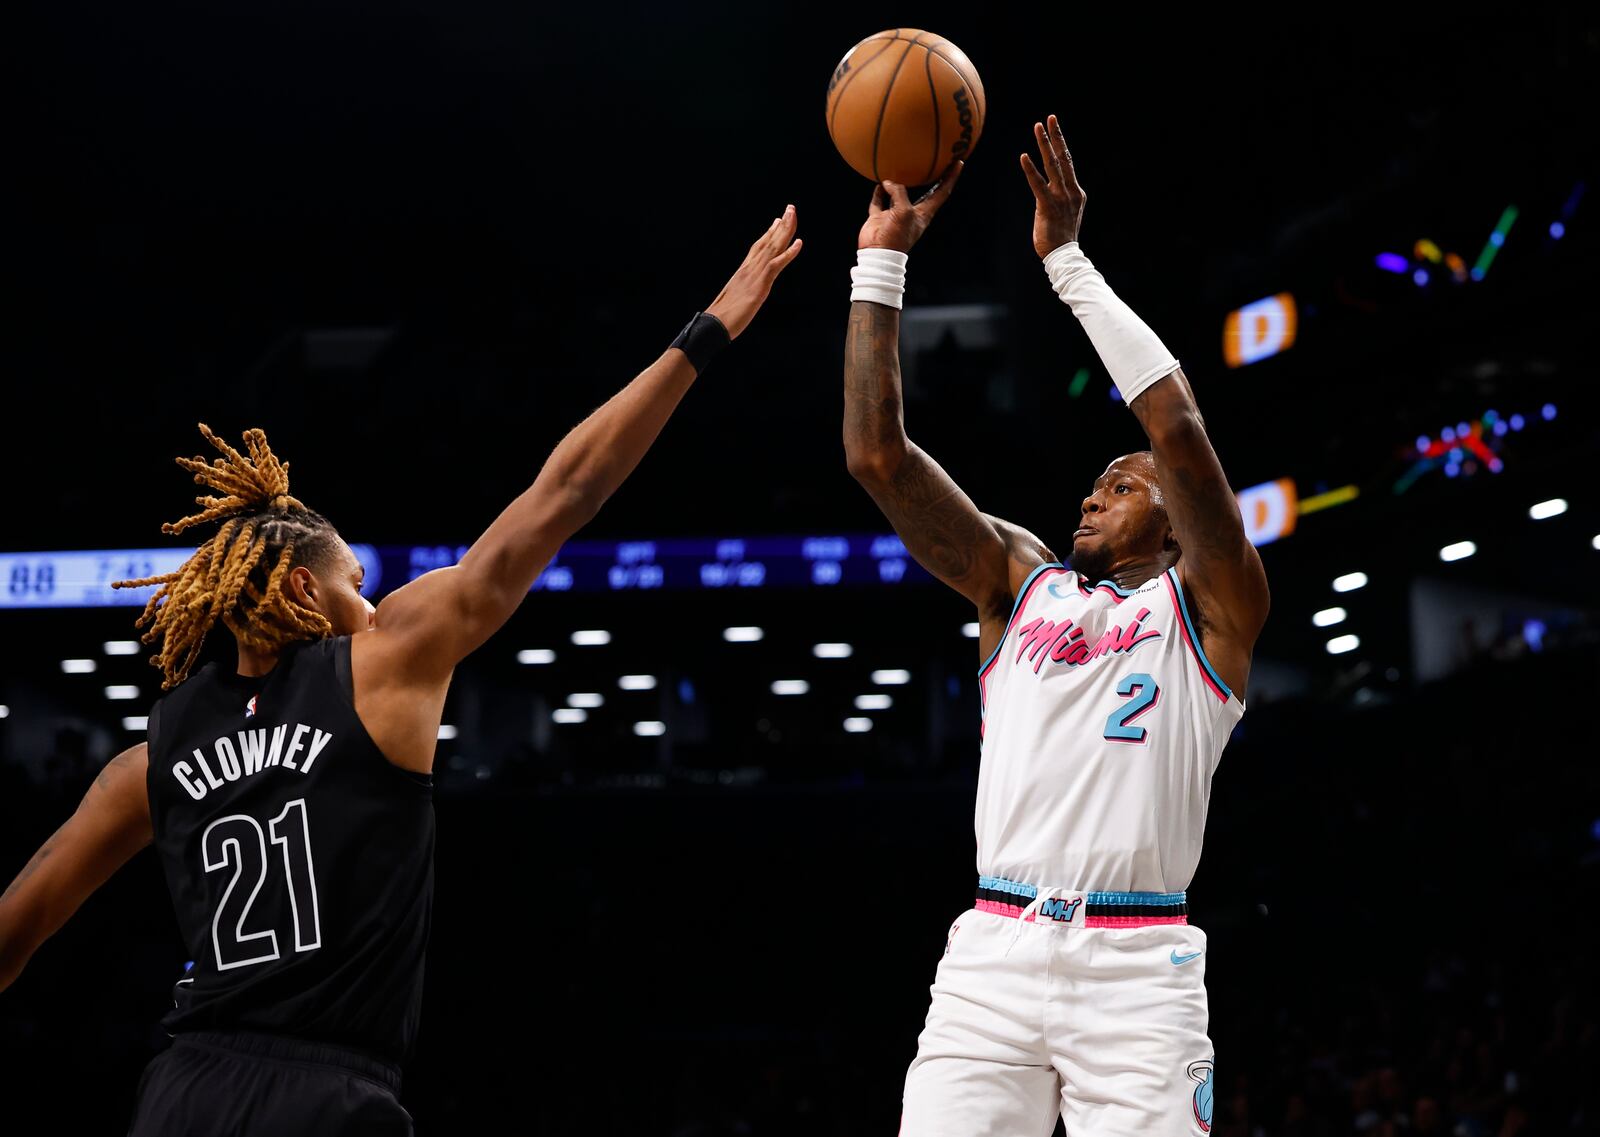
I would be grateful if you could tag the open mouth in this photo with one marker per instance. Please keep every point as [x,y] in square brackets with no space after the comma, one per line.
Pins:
[1084,532]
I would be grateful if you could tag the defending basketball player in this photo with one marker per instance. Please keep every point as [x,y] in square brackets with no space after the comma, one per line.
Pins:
[289,797]
[1109,688]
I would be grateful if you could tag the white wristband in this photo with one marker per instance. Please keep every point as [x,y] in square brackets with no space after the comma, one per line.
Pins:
[879,276]
[1132,353]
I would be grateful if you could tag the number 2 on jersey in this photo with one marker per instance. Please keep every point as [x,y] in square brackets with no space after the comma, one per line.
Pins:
[1142,693]
[237,842]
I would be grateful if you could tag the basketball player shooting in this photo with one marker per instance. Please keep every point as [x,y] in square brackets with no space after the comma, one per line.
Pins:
[289,796]
[1109,688]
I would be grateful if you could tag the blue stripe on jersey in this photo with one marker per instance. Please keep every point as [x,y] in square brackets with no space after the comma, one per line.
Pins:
[1172,898]
[1001,884]
[1194,634]
[1021,592]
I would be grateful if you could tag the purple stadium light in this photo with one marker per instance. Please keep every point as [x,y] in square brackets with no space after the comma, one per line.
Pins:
[1393,262]
[1557,230]
[1548,412]
[1420,276]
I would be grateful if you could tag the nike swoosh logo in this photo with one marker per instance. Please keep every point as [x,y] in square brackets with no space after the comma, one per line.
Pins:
[1180,960]
[1051,589]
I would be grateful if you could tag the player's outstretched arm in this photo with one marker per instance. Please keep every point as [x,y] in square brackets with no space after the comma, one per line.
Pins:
[980,557]
[1221,570]
[111,824]
[435,621]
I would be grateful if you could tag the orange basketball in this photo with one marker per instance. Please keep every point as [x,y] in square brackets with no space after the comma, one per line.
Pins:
[904,104]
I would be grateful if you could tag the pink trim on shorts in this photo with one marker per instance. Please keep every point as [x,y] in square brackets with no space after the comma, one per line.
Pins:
[1012,911]
[999,909]
[1131,921]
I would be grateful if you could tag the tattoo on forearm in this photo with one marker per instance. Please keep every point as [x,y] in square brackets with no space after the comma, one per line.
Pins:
[872,374]
[30,868]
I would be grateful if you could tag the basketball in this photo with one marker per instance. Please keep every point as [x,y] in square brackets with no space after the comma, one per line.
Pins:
[903,104]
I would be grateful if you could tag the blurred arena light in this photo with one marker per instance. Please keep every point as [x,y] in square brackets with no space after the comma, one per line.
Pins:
[832,651]
[569,715]
[1328,617]
[132,722]
[1555,507]
[120,647]
[873,702]
[790,687]
[637,682]
[970,630]
[536,655]
[1459,551]
[1341,644]
[649,729]
[891,678]
[446,732]
[122,691]
[1349,582]
[591,637]
[78,666]
[857,725]
[743,635]
[586,700]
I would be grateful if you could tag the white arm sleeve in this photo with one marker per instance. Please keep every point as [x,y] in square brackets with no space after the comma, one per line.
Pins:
[1132,353]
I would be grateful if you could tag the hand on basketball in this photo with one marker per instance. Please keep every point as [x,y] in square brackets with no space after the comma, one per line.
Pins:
[741,298]
[1058,201]
[894,221]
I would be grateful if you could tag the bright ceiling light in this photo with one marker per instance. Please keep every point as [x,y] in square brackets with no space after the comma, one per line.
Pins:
[1349,582]
[1328,617]
[592,637]
[742,635]
[891,678]
[790,687]
[857,726]
[637,682]
[569,714]
[1459,551]
[832,651]
[122,691]
[873,702]
[649,729]
[536,655]
[586,700]
[446,732]
[120,647]
[1555,507]
[1341,644]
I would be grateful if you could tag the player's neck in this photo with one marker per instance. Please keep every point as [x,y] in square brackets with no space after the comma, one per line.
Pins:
[255,663]
[1131,574]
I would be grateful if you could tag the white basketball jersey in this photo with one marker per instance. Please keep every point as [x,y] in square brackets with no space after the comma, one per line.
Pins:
[1102,724]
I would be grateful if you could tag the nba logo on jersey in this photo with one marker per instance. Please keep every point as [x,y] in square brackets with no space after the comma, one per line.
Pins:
[250,707]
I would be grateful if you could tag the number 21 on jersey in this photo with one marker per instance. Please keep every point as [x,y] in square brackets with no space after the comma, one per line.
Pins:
[1142,694]
[237,842]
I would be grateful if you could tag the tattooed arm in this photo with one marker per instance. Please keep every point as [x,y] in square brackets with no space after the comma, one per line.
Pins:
[111,824]
[982,558]
[1221,571]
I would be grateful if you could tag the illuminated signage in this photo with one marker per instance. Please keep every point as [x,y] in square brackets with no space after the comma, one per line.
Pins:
[1261,330]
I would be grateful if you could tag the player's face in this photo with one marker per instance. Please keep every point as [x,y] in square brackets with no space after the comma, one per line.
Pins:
[1122,519]
[337,592]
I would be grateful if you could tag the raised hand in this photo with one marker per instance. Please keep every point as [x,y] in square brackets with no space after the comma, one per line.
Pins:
[1057,200]
[741,298]
[894,221]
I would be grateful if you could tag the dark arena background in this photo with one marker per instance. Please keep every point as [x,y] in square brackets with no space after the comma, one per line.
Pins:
[705,805]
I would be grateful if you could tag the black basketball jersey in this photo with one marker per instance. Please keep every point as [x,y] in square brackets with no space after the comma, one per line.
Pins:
[300,860]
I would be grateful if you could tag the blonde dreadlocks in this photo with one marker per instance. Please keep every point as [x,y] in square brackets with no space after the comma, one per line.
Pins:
[237,576]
